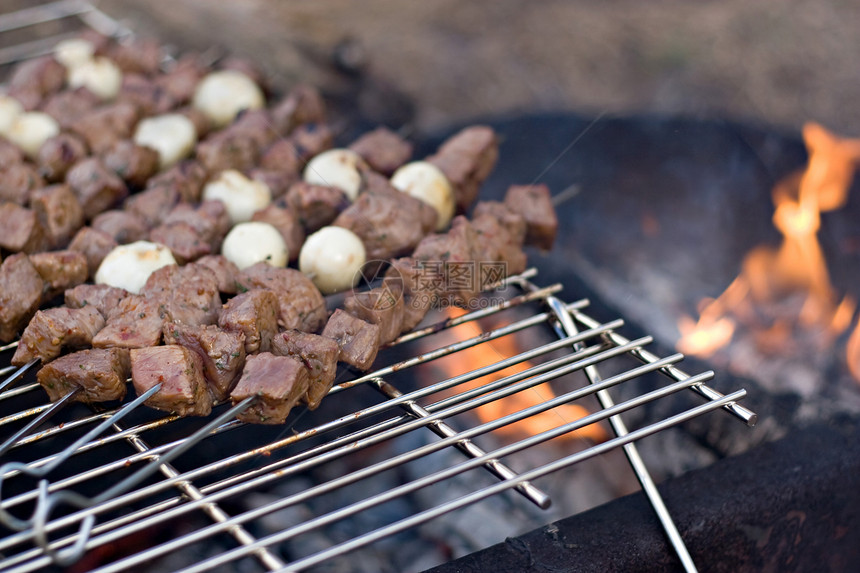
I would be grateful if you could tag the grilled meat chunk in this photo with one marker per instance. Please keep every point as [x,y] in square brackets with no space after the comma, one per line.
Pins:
[182,239]
[225,271]
[494,244]
[278,382]
[210,220]
[254,313]
[145,94]
[282,156]
[60,270]
[383,150]
[225,150]
[312,139]
[96,187]
[105,125]
[53,329]
[153,204]
[10,154]
[103,298]
[418,286]
[20,230]
[100,374]
[466,159]
[68,105]
[301,304]
[179,371]
[135,322]
[315,205]
[186,178]
[221,351]
[454,253]
[95,245]
[513,221]
[33,80]
[357,340]
[20,294]
[187,294]
[382,306]
[181,80]
[287,225]
[302,105]
[535,204]
[124,226]
[58,154]
[59,212]
[278,182]
[17,183]
[135,164]
[317,353]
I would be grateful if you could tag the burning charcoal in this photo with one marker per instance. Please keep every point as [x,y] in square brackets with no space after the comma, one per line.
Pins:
[282,156]
[494,244]
[20,294]
[59,212]
[287,225]
[60,270]
[358,340]
[20,230]
[510,220]
[10,154]
[154,204]
[136,56]
[315,205]
[95,245]
[278,182]
[186,178]
[535,204]
[103,298]
[18,181]
[278,382]
[145,94]
[383,150]
[134,323]
[222,151]
[68,105]
[381,306]
[454,252]
[222,353]
[104,126]
[182,239]
[101,374]
[303,104]
[96,187]
[135,164]
[302,306]
[187,294]
[224,270]
[58,154]
[254,313]
[312,139]
[53,329]
[180,373]
[418,286]
[317,353]
[466,159]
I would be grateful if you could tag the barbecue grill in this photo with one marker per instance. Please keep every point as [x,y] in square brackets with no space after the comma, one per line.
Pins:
[79,480]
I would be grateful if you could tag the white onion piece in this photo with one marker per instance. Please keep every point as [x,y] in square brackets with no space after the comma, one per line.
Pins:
[74,52]
[332,258]
[250,243]
[336,168]
[426,182]
[30,130]
[220,96]
[10,109]
[242,196]
[99,75]
[172,135]
[129,266]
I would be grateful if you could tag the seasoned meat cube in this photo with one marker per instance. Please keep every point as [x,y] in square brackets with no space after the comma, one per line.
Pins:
[282,156]
[58,154]
[357,340]
[186,177]
[254,313]
[154,204]
[10,154]
[494,244]
[179,371]
[217,211]
[103,298]
[60,270]
[287,225]
[382,306]
[383,150]
[136,55]
[455,252]
[124,226]
[418,286]
[303,104]
[317,353]
[135,322]
[145,94]
[187,294]
[535,204]
[198,119]
[256,124]
[221,351]
[210,220]
[183,240]
[43,75]
[68,105]
[312,139]
[224,270]
[182,79]
[101,374]
[134,163]
[278,382]
[20,294]
[510,220]
[315,205]
[20,230]
[59,212]
[95,245]
[53,329]
[224,150]
[302,306]
[466,159]
[277,181]
[105,125]
[18,181]
[96,187]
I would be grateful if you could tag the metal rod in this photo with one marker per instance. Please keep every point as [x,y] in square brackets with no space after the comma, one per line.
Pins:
[35,422]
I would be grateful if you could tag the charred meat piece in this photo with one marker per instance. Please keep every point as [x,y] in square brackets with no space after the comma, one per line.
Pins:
[317,353]
[287,225]
[181,80]
[96,187]
[466,159]
[278,382]
[42,76]
[302,306]
[124,226]
[179,371]
[100,374]
[182,239]
[145,94]
[254,313]
[357,340]
[210,220]
[282,156]
[68,105]
[382,306]
[105,125]
[59,212]
[135,164]
[225,150]
[58,154]
[221,351]
[186,178]
[302,105]
[20,294]
[494,244]
[53,329]
[187,294]
[454,254]
[60,270]
[383,150]
[18,181]
[278,182]
[312,139]
[95,245]
[256,124]
[103,298]
[315,205]
[510,220]
[135,322]
[224,270]
[198,119]
[419,287]
[534,203]
[10,154]
[136,55]
[154,204]
[20,230]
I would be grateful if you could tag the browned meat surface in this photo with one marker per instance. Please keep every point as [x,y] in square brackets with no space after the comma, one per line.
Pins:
[179,371]
[154,204]
[103,298]
[181,80]
[59,212]
[10,154]
[182,239]
[383,150]
[60,270]
[452,254]
[254,313]
[186,177]
[282,156]
[217,212]
[18,181]
[317,353]
[136,55]
[20,230]
[494,244]
[315,205]
[382,306]
[135,164]
[302,306]
[287,225]
[201,123]
[312,139]
[187,294]
[95,245]
[145,94]
[101,375]
[278,382]
[135,322]
[58,154]
[255,124]
[96,187]
[534,203]
[277,181]
[68,105]
[210,220]
[510,220]
[224,150]
[225,271]
[20,294]
[357,340]
[221,351]
[35,79]
[105,125]
[52,330]
[419,287]
[466,159]
[303,104]
[124,226]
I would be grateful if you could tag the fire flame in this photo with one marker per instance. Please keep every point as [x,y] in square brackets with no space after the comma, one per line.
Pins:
[796,267]
[492,351]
